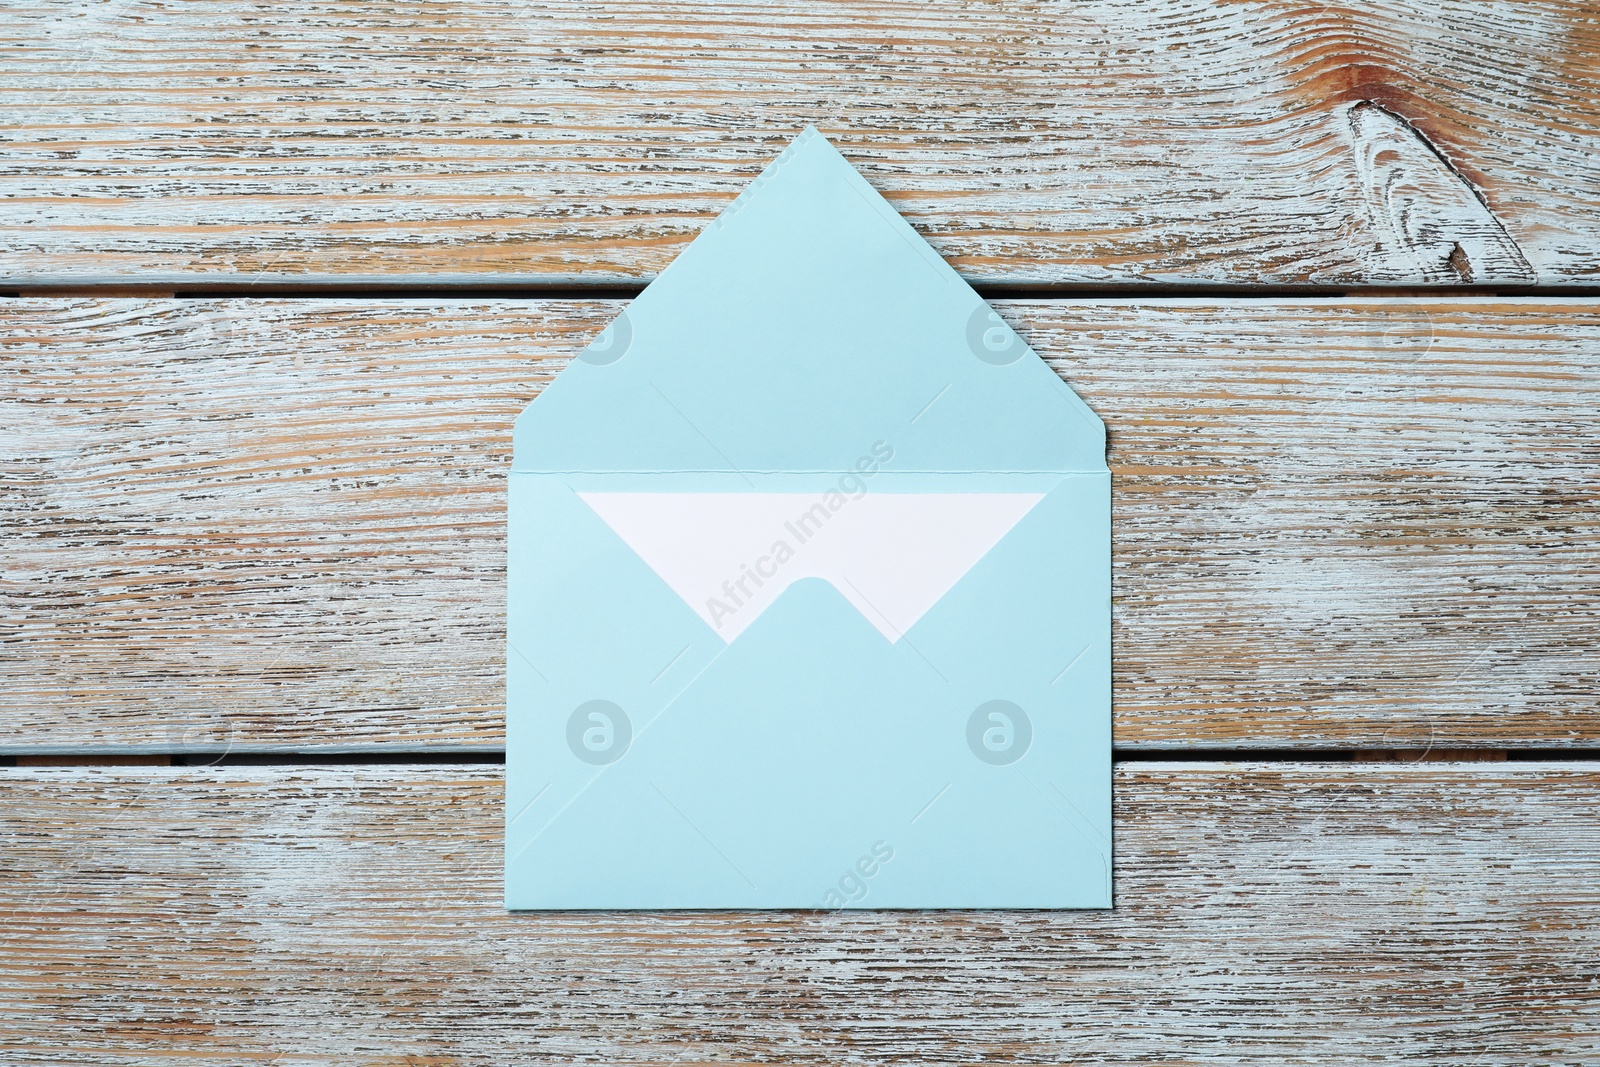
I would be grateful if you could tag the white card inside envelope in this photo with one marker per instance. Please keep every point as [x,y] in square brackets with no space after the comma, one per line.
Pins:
[731,555]
[809,587]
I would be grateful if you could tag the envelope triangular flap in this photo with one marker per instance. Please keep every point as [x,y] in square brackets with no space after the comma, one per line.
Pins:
[808,323]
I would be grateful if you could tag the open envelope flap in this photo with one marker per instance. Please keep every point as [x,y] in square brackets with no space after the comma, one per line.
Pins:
[808,323]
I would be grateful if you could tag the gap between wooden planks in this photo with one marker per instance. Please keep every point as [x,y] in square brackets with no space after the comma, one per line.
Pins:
[1298,913]
[1349,524]
[1101,142]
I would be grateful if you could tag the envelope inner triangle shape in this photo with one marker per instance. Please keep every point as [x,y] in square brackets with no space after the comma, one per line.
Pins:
[730,555]
[808,586]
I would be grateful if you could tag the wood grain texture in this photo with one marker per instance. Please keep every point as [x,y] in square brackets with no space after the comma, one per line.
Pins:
[1423,914]
[1367,524]
[510,141]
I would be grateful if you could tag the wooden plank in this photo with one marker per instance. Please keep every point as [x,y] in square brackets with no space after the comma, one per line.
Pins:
[539,141]
[1332,913]
[280,523]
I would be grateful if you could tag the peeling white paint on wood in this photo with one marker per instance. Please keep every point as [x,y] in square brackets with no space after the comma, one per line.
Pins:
[1341,523]
[1097,142]
[1353,523]
[1301,913]
[1429,222]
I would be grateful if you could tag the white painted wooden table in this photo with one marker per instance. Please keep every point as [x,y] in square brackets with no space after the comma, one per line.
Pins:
[281,277]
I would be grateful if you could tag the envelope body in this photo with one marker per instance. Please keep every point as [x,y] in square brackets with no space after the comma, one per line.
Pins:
[808,587]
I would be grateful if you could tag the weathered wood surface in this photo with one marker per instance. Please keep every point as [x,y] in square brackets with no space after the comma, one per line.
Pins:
[1337,523]
[1098,142]
[1333,913]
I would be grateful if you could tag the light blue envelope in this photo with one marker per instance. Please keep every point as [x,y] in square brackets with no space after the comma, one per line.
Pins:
[810,587]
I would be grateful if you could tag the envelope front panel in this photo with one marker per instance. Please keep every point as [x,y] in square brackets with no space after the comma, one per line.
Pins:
[823,758]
